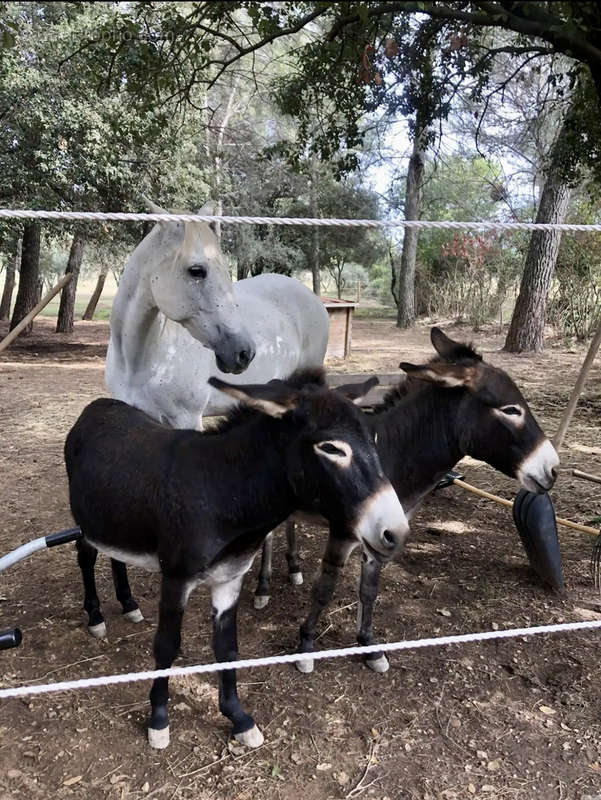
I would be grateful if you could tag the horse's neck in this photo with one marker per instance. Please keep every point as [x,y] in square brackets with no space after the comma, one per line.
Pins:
[418,443]
[134,318]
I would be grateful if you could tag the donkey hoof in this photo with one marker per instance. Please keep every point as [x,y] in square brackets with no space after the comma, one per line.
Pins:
[98,631]
[261,600]
[133,616]
[159,739]
[380,664]
[251,738]
[306,665]
[296,578]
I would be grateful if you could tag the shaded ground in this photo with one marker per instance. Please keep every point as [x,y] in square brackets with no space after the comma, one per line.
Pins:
[514,719]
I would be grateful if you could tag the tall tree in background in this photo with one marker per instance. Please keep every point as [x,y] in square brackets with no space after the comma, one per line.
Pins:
[527,327]
[413,203]
[12,263]
[66,310]
[27,293]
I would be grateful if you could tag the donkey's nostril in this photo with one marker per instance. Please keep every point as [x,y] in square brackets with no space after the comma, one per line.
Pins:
[388,539]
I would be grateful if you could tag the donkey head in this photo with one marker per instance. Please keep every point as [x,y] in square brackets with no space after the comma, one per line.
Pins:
[190,284]
[332,463]
[494,423]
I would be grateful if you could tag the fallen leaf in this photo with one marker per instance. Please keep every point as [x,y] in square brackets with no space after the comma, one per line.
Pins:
[547,710]
[73,780]
[342,778]
[494,765]
[444,612]
[323,767]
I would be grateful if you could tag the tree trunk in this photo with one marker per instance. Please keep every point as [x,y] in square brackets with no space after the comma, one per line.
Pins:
[91,307]
[9,282]
[527,327]
[28,276]
[66,309]
[315,269]
[413,202]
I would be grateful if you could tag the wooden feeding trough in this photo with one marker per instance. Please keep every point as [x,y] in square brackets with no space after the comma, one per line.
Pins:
[340,313]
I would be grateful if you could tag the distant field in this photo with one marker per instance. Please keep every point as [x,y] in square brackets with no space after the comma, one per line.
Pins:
[85,287]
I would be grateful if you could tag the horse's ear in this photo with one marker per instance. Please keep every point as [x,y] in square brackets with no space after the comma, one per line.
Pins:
[154,209]
[450,350]
[208,209]
[275,398]
[357,392]
[449,376]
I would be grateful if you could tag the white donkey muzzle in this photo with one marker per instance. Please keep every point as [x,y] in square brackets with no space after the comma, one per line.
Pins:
[538,471]
[381,525]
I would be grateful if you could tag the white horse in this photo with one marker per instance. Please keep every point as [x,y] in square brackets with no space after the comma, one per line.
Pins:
[177,319]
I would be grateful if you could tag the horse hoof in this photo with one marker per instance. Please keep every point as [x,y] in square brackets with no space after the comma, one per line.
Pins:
[251,738]
[98,631]
[296,578]
[306,665]
[134,616]
[380,664]
[261,600]
[159,739]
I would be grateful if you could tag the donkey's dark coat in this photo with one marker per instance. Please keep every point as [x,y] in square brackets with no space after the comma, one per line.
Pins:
[455,405]
[197,506]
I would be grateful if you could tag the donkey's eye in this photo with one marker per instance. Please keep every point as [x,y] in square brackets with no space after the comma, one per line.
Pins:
[338,452]
[512,411]
[197,272]
[328,447]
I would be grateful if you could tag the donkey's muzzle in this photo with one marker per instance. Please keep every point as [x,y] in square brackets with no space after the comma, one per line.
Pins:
[381,525]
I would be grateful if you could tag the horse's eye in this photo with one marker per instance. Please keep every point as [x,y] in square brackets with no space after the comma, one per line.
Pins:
[512,411]
[197,272]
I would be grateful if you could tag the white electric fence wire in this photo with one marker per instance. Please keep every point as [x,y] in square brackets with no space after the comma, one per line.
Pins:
[118,216]
[267,661]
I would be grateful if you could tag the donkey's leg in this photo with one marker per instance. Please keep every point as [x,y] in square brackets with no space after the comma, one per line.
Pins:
[86,558]
[225,644]
[131,610]
[294,569]
[262,592]
[174,595]
[368,592]
[337,552]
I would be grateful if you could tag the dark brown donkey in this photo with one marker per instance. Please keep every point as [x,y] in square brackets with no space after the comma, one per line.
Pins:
[197,506]
[455,405]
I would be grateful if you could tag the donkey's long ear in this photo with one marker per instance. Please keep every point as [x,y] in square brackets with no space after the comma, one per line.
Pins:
[450,376]
[450,350]
[275,398]
[357,392]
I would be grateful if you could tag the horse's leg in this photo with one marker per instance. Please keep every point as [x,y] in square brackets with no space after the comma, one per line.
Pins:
[224,598]
[174,595]
[262,592]
[368,592]
[337,552]
[86,558]
[131,610]
[294,569]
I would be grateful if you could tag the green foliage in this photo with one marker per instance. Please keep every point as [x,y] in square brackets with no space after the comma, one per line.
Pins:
[575,307]
[464,274]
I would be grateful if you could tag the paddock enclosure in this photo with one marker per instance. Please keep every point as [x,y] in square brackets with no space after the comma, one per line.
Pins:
[509,719]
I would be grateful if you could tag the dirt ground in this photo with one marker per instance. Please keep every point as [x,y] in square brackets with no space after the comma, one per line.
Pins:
[509,719]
